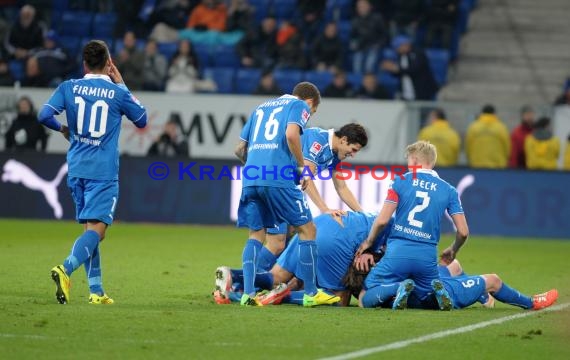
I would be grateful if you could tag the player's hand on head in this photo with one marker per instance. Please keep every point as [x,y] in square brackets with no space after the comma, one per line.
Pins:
[335,212]
[364,262]
[114,74]
[447,256]
[365,245]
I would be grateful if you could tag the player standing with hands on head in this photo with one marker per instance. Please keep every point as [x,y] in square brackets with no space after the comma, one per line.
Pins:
[94,106]
[271,142]
[419,199]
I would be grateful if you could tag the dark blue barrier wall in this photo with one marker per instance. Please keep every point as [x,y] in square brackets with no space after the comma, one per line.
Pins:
[510,203]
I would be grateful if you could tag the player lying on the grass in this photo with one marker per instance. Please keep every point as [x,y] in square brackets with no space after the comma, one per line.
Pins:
[322,149]
[466,290]
[418,199]
[337,238]
[94,106]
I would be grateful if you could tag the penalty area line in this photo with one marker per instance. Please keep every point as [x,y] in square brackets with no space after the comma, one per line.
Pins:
[440,334]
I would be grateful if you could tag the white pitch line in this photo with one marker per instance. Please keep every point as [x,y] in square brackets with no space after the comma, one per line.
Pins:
[440,334]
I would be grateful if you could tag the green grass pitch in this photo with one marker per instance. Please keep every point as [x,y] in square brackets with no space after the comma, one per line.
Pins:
[161,277]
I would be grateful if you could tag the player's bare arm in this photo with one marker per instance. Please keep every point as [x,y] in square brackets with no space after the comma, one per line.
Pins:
[344,193]
[114,73]
[379,224]
[293,135]
[461,235]
[241,151]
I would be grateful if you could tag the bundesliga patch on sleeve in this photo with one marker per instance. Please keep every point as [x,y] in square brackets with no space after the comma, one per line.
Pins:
[316,148]
[136,101]
[305,116]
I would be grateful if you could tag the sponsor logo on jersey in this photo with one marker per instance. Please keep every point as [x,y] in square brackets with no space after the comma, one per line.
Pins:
[305,116]
[316,148]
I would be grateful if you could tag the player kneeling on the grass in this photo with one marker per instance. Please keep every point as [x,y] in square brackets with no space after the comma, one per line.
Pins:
[337,239]
[94,106]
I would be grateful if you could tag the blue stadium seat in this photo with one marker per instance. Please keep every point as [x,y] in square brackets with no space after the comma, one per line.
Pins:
[223,77]
[225,56]
[77,23]
[343,8]
[344,27]
[168,49]
[321,79]
[438,61]
[389,82]
[17,69]
[70,43]
[203,54]
[287,79]
[355,79]
[103,25]
[284,9]
[247,80]
[261,9]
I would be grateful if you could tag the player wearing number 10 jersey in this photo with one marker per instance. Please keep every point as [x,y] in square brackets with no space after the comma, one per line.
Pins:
[419,199]
[94,106]
[270,146]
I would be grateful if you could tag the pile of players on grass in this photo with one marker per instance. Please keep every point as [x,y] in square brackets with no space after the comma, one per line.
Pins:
[339,272]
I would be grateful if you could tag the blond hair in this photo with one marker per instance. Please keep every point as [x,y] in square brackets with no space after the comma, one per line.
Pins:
[425,152]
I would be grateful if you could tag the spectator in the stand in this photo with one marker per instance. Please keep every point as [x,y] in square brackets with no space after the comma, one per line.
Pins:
[487,142]
[566,163]
[371,89]
[328,50]
[541,147]
[290,50]
[208,15]
[6,78]
[168,17]
[311,12]
[443,136]
[26,34]
[170,143]
[564,98]
[518,136]
[340,87]
[368,35]
[183,70]
[26,133]
[258,48]
[130,62]
[155,67]
[406,16]
[240,16]
[441,19]
[267,85]
[412,67]
[48,65]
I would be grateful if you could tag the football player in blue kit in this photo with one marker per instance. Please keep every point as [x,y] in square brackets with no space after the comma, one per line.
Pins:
[338,237]
[94,106]
[270,146]
[322,149]
[419,199]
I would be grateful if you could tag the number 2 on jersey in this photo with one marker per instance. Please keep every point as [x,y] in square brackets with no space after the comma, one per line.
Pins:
[99,104]
[272,125]
[419,208]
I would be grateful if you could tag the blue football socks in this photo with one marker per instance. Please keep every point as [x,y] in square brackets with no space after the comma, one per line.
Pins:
[265,260]
[249,260]
[81,251]
[377,295]
[308,266]
[93,271]
[508,295]
[295,297]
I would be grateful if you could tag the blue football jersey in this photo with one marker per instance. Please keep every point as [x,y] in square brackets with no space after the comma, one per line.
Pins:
[422,198]
[94,106]
[317,148]
[269,160]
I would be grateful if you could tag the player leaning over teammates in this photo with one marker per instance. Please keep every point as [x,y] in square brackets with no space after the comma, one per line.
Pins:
[322,149]
[271,143]
[94,106]
[419,200]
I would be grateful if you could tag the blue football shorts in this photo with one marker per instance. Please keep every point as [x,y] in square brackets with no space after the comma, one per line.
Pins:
[94,199]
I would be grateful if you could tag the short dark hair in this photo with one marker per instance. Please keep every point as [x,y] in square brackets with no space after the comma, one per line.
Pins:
[306,90]
[488,109]
[439,113]
[355,134]
[542,123]
[95,54]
